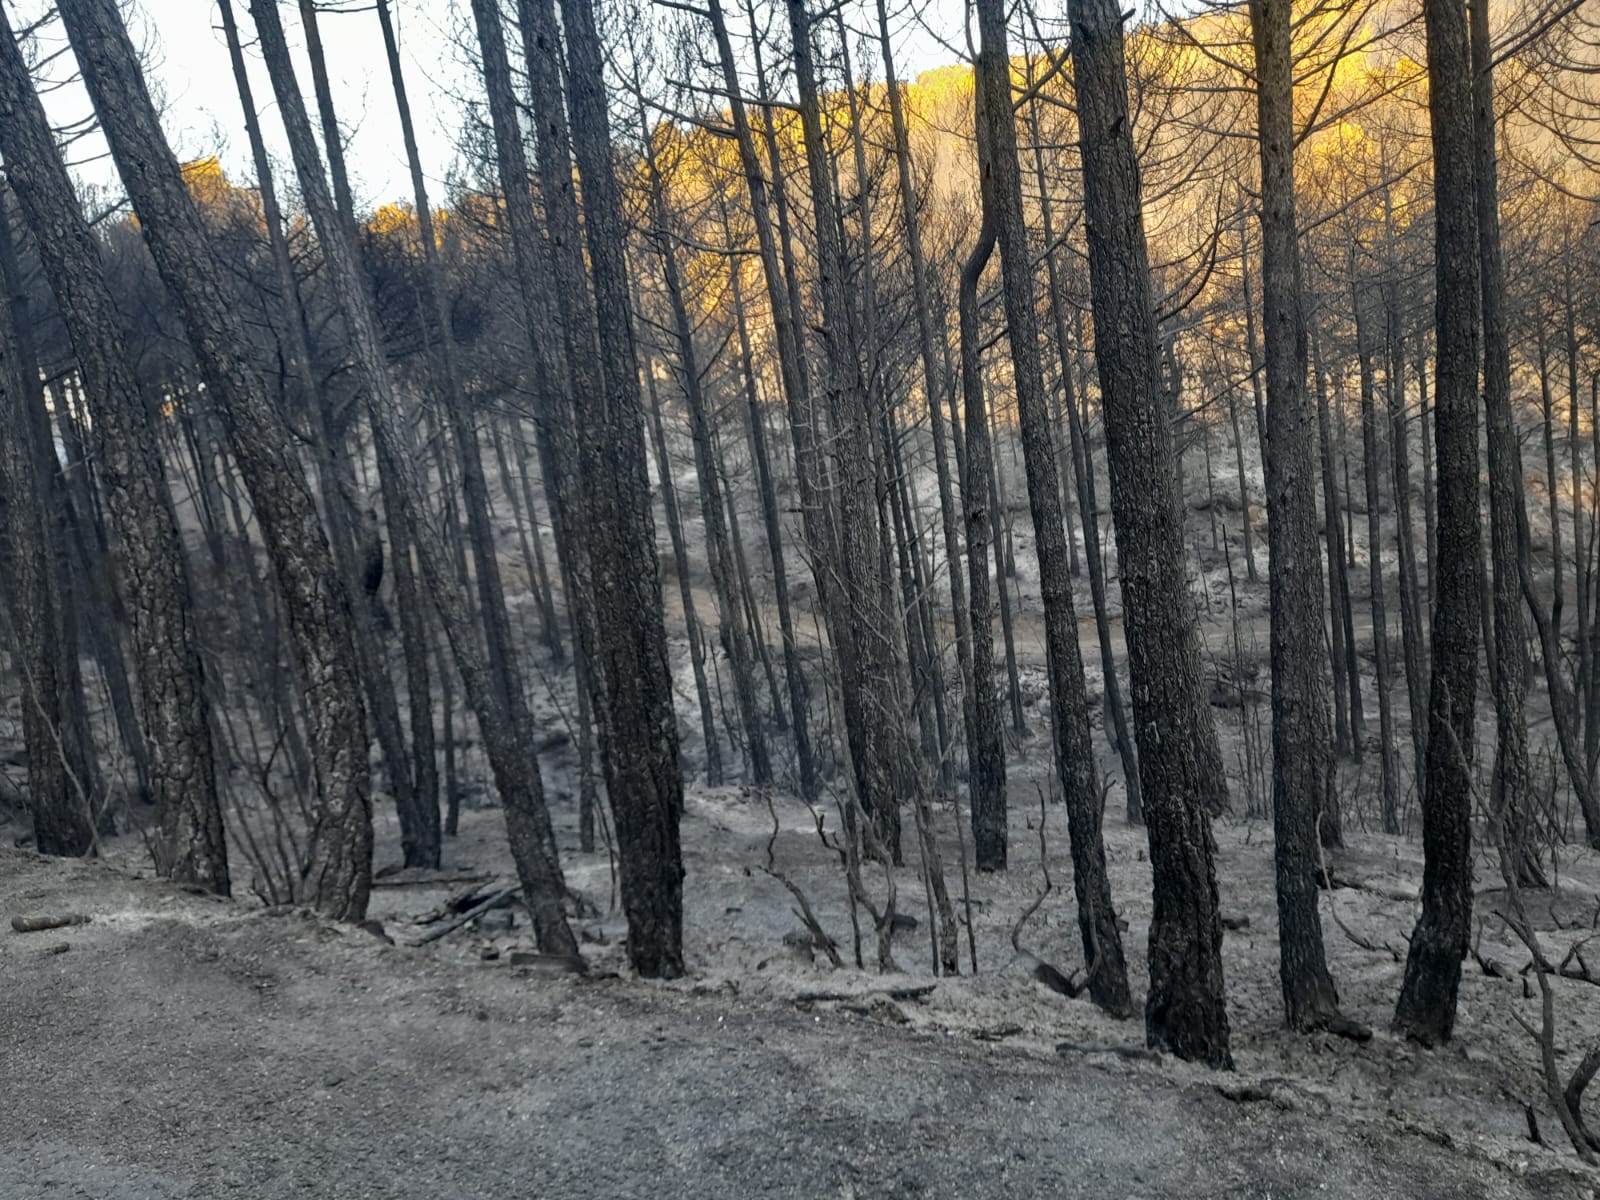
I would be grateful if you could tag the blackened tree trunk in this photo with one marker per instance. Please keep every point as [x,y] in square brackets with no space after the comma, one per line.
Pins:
[1301,759]
[986,754]
[719,550]
[1508,518]
[816,520]
[1074,745]
[56,799]
[1253,356]
[794,673]
[191,846]
[1411,643]
[494,691]
[332,138]
[1427,1006]
[691,618]
[1083,477]
[1372,474]
[1180,764]
[874,713]
[933,382]
[315,604]
[1337,502]
[1338,586]
[638,733]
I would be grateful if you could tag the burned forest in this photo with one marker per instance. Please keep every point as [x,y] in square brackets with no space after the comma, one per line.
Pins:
[767,597]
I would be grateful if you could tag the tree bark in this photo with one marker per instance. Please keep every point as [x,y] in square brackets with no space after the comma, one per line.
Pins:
[1372,475]
[986,755]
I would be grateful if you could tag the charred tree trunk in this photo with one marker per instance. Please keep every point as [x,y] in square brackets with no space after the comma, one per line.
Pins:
[1083,477]
[691,618]
[638,736]
[719,550]
[874,714]
[1180,764]
[794,673]
[1372,474]
[1097,918]
[1405,540]
[986,755]
[1427,1006]
[1301,768]
[1511,790]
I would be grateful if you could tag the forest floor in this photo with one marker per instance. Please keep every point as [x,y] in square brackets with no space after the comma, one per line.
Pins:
[182,1046]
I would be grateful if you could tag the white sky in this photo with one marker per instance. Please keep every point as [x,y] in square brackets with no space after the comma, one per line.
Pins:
[191,72]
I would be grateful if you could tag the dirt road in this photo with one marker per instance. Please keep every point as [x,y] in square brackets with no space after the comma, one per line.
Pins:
[183,1047]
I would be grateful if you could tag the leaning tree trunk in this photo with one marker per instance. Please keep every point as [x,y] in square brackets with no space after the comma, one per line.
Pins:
[933,382]
[1097,918]
[719,550]
[1427,1006]
[794,674]
[1301,747]
[338,875]
[191,846]
[1180,764]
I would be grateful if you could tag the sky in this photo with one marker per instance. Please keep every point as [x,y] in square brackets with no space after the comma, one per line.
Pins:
[202,116]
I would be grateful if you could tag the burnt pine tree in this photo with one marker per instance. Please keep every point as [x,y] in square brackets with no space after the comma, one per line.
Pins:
[1069,698]
[1301,740]
[56,800]
[190,846]
[986,748]
[1426,1011]
[339,870]
[873,708]
[495,694]
[1508,519]
[1180,764]
[638,731]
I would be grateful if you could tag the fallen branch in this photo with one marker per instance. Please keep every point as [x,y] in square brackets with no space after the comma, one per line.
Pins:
[497,899]
[919,992]
[40,924]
